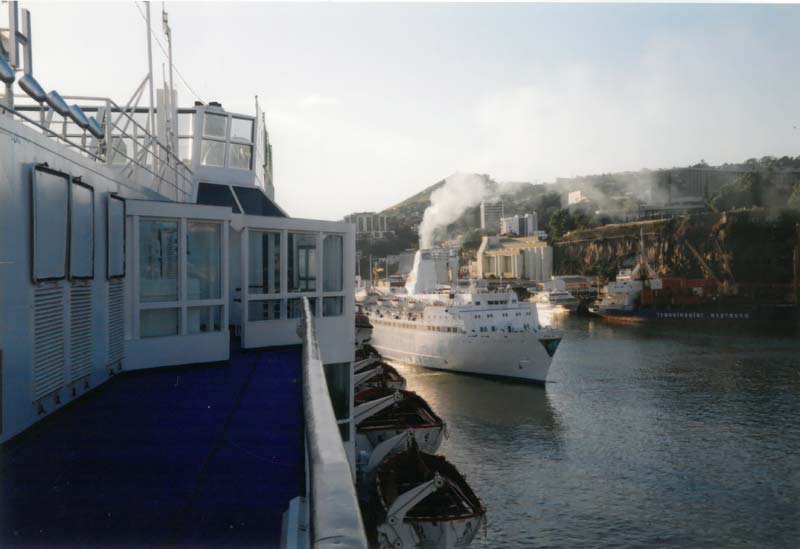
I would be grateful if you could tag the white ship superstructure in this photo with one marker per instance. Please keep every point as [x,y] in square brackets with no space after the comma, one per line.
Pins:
[485,333]
[146,237]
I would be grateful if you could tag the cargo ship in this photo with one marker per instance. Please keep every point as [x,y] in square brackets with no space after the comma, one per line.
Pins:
[640,295]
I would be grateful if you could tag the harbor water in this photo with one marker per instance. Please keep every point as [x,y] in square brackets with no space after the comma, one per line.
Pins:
[645,435]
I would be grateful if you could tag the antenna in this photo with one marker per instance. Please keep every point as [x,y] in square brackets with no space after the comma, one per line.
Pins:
[171,108]
[151,120]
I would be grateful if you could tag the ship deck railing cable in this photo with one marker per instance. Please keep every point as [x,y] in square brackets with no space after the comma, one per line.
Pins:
[335,516]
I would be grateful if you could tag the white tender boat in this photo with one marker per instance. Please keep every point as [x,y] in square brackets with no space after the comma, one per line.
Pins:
[428,503]
[556,301]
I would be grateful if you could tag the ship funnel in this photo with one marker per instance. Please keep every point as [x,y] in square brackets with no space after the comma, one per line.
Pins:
[422,278]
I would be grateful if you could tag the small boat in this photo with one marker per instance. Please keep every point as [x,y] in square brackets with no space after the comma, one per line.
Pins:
[556,301]
[428,503]
[364,352]
[378,375]
[363,328]
[383,413]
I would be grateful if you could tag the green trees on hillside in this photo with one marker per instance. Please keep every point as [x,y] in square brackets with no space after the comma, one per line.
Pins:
[561,222]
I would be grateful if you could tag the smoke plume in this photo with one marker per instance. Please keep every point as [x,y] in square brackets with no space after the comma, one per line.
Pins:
[448,202]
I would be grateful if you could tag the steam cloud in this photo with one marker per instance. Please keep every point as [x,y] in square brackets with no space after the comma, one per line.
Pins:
[448,202]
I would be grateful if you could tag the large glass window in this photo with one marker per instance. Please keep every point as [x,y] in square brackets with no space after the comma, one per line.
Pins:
[185,149]
[186,123]
[239,156]
[332,306]
[333,263]
[158,260]
[268,309]
[264,260]
[204,319]
[203,260]
[255,202]
[241,129]
[216,195]
[81,231]
[302,265]
[50,199]
[212,153]
[294,307]
[159,322]
[215,125]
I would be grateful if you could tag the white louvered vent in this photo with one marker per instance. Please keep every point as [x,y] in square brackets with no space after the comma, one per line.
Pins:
[80,325]
[116,320]
[48,340]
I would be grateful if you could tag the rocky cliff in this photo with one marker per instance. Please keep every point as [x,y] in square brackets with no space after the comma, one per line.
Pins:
[755,248]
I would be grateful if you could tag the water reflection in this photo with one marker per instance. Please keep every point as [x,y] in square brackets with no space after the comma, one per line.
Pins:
[507,407]
[646,435]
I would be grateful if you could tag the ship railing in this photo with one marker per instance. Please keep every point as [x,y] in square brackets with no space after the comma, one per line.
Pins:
[335,516]
[127,144]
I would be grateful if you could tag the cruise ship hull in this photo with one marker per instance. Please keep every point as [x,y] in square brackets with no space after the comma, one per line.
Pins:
[523,356]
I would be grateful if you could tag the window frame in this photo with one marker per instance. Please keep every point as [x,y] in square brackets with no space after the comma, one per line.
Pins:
[239,141]
[219,225]
[79,182]
[109,276]
[34,276]
[183,303]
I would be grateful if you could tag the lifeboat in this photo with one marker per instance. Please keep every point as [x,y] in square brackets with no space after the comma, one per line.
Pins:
[388,413]
[378,375]
[427,503]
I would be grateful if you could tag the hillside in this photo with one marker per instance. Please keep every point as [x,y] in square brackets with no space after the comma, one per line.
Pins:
[517,198]
[414,206]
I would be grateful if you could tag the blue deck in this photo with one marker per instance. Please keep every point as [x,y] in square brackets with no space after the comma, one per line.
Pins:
[192,456]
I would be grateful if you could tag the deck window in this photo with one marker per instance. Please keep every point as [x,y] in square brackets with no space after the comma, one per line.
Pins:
[332,306]
[294,307]
[49,204]
[212,153]
[264,260]
[267,309]
[239,156]
[242,129]
[159,322]
[302,265]
[203,260]
[158,260]
[204,319]
[332,255]
[185,149]
[215,125]
[217,195]
[255,202]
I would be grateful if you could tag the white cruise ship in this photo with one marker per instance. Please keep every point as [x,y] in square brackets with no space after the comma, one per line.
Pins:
[474,332]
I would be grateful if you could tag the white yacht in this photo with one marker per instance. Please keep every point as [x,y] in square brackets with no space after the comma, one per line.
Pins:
[556,301]
[475,332]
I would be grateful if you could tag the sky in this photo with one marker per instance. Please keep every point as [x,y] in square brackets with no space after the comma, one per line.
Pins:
[367,104]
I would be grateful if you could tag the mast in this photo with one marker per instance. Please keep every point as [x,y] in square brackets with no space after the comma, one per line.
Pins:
[152,119]
[171,109]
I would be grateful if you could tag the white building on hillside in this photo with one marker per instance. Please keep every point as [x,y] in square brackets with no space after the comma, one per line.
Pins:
[523,258]
[519,225]
[491,214]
